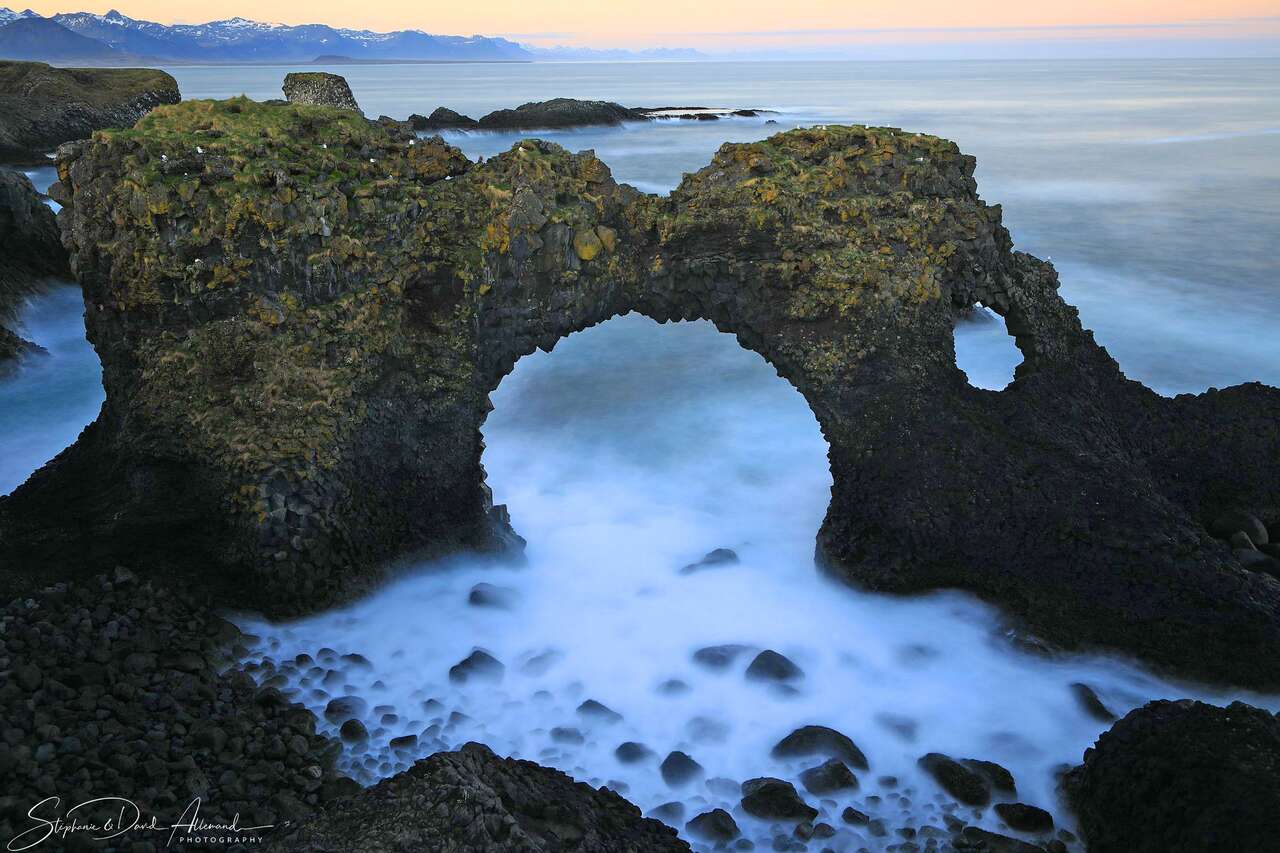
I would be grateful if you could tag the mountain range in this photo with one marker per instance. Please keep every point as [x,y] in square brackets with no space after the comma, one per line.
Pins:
[117,38]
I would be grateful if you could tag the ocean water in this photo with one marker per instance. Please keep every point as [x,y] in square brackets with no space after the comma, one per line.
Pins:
[633,448]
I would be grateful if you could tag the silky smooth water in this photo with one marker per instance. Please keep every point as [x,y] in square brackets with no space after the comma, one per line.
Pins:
[633,449]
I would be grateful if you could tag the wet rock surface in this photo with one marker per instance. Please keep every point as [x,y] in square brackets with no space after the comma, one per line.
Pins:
[30,252]
[472,800]
[1181,776]
[389,278]
[319,89]
[44,106]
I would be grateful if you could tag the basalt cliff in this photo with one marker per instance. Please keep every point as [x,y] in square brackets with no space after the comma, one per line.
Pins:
[301,314]
[42,106]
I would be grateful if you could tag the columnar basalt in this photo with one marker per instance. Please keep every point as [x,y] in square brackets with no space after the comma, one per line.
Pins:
[301,315]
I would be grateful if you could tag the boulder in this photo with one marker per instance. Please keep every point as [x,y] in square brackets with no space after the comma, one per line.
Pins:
[1236,521]
[1181,776]
[718,557]
[831,775]
[774,799]
[473,800]
[44,106]
[964,783]
[489,595]
[772,666]
[719,657]
[319,89]
[820,740]
[678,769]
[598,711]
[714,826]
[475,667]
[1024,818]
[630,752]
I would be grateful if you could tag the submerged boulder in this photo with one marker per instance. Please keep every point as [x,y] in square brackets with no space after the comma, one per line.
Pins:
[1174,776]
[44,106]
[319,89]
[473,800]
[304,386]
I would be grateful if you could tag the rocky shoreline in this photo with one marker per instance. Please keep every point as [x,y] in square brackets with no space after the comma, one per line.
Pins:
[281,293]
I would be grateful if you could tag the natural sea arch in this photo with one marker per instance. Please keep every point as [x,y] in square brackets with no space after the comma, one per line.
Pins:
[301,315]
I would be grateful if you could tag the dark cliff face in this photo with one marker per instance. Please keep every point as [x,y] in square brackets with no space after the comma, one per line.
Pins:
[30,252]
[41,106]
[301,315]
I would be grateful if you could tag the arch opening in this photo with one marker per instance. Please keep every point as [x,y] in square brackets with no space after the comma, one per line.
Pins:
[985,350]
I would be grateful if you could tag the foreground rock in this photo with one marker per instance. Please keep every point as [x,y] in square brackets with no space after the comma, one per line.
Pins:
[43,106]
[1182,775]
[471,800]
[319,89]
[116,689]
[298,359]
[30,252]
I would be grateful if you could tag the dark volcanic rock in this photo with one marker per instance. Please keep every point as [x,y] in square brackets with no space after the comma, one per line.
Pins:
[1181,776]
[593,710]
[477,666]
[1090,702]
[1238,521]
[772,666]
[713,826]
[679,769]
[820,740]
[319,89]
[1024,818]
[443,118]
[964,783]
[43,107]
[81,716]
[558,113]
[774,799]
[488,595]
[831,775]
[630,752]
[719,657]
[471,801]
[30,252]
[976,840]
[385,303]
[718,557]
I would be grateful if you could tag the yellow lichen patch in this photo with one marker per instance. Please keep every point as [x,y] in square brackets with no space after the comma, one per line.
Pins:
[586,244]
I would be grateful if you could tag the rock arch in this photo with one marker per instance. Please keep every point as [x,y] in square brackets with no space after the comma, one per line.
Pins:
[301,314]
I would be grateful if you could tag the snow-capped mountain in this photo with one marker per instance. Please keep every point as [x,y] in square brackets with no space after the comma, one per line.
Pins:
[243,40]
[8,15]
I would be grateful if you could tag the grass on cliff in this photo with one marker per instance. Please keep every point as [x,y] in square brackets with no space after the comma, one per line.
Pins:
[98,87]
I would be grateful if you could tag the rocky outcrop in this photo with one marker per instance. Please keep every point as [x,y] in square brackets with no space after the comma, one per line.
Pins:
[298,354]
[1178,777]
[472,800]
[41,107]
[30,252]
[558,113]
[561,113]
[319,89]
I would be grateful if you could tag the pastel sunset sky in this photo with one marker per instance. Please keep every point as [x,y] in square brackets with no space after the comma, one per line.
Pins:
[746,25]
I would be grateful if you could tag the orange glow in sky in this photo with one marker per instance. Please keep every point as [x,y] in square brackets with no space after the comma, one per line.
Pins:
[728,24]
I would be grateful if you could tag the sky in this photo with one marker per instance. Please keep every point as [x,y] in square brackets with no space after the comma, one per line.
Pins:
[726,26]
